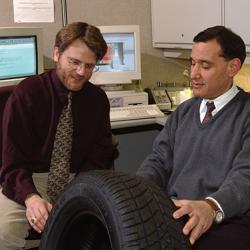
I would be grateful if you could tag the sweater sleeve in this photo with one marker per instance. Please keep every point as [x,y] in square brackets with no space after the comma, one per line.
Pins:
[234,193]
[16,172]
[158,164]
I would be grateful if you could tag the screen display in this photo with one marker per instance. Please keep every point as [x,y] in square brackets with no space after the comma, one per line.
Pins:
[121,53]
[18,57]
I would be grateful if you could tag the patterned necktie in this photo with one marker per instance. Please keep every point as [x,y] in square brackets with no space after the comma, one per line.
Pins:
[208,115]
[61,154]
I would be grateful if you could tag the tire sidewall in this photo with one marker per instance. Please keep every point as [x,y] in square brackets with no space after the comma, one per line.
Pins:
[86,198]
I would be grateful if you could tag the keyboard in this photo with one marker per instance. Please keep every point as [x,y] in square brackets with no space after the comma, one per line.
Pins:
[134,112]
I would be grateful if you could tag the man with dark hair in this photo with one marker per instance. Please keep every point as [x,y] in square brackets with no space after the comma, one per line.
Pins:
[201,157]
[30,129]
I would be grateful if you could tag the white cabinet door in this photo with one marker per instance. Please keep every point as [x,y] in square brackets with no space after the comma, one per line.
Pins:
[176,22]
[237,17]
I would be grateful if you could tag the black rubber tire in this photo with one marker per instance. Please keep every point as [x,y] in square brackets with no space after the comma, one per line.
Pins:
[112,211]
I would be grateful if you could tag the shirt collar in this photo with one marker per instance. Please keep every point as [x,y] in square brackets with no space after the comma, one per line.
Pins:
[221,100]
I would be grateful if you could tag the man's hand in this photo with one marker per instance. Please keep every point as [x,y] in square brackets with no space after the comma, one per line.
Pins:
[201,217]
[37,211]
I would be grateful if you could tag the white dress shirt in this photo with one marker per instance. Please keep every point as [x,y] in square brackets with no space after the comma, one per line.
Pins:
[219,102]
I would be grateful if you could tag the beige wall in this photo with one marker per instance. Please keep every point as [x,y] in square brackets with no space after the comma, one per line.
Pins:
[109,12]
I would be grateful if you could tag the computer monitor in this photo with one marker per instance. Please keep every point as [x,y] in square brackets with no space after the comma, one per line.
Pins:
[21,53]
[122,62]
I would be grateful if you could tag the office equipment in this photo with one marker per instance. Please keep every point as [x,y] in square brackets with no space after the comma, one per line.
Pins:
[160,97]
[135,112]
[126,98]
[179,95]
[122,62]
[21,53]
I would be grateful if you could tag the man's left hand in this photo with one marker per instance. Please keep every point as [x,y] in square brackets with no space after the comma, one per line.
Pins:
[200,214]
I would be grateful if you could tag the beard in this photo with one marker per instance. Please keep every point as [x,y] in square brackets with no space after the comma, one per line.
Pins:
[70,79]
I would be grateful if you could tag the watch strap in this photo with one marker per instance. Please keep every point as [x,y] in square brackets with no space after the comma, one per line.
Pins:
[218,214]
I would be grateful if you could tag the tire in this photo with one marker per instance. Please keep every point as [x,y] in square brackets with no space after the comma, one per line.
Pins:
[108,210]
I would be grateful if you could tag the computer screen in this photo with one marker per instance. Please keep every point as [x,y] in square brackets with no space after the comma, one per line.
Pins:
[21,54]
[122,62]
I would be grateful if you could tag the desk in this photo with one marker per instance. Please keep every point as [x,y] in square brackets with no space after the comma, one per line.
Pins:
[135,141]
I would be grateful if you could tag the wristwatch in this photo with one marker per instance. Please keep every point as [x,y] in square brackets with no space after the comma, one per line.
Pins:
[218,213]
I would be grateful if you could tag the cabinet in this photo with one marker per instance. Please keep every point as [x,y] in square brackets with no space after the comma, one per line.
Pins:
[237,18]
[176,22]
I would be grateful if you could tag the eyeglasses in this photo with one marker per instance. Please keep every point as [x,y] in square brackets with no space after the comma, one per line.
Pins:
[76,64]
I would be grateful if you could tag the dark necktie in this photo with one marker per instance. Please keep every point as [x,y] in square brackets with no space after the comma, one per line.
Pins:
[208,115]
[60,160]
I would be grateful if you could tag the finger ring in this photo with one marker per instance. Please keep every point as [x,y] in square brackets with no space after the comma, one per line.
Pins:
[33,220]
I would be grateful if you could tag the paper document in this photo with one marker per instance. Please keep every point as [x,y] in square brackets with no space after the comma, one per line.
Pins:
[33,11]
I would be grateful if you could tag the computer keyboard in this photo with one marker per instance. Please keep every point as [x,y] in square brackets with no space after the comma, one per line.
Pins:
[135,112]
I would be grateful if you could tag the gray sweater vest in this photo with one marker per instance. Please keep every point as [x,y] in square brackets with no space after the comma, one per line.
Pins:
[192,161]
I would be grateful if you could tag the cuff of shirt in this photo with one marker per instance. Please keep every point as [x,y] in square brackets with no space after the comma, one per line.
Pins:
[216,202]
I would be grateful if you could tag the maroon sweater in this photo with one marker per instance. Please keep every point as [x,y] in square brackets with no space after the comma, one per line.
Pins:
[29,124]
